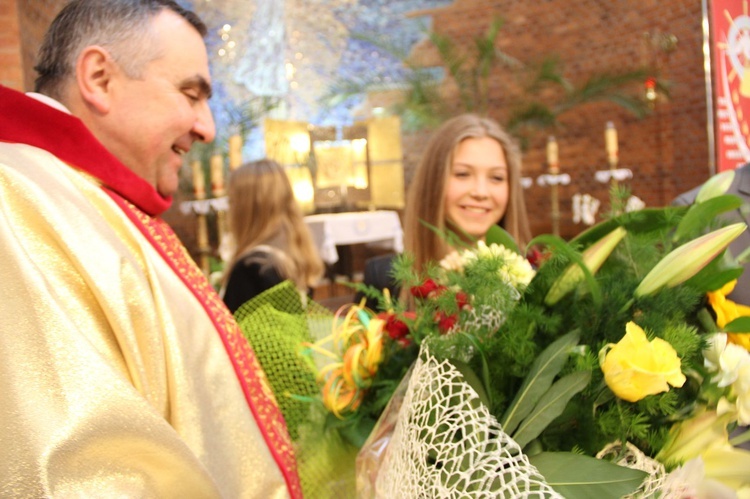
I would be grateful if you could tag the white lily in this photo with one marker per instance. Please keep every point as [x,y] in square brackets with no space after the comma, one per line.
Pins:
[729,465]
[593,257]
[741,388]
[687,260]
[689,480]
[715,186]
[715,345]
[731,360]
[690,438]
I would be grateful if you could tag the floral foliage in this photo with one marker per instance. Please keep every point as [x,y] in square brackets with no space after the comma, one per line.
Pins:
[457,304]
[623,334]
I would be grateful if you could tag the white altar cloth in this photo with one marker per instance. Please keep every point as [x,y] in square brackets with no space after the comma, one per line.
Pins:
[331,229]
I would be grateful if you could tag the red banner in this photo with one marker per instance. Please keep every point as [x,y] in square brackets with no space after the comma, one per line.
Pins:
[730,37]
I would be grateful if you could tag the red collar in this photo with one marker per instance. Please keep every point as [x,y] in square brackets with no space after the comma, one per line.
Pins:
[27,121]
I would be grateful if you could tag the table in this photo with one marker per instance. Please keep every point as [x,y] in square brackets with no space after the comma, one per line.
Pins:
[331,229]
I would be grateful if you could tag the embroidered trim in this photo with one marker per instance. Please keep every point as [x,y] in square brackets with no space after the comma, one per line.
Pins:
[252,379]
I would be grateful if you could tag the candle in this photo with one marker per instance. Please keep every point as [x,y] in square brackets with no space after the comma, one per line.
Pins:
[199,183]
[202,235]
[552,154]
[610,140]
[235,151]
[217,175]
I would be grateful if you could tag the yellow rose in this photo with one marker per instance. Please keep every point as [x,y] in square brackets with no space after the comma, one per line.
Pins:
[726,311]
[635,367]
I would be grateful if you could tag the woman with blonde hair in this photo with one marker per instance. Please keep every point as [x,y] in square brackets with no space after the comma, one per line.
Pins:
[468,180]
[271,241]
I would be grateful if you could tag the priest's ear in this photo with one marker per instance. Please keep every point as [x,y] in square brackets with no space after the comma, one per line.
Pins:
[95,69]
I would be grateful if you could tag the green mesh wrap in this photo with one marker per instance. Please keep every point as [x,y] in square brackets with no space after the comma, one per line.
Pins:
[276,323]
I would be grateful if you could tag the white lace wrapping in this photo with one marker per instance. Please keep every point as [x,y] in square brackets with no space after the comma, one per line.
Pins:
[444,444]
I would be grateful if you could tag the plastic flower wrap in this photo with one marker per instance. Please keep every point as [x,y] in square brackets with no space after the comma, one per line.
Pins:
[277,322]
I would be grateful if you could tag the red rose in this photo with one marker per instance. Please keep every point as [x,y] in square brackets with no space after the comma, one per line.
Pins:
[462,300]
[536,258]
[395,328]
[428,289]
[404,342]
[445,321]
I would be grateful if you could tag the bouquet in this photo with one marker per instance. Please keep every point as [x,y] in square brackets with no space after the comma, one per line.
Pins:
[619,365]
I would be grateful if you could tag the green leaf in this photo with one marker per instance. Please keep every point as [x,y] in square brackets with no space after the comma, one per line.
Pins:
[472,379]
[498,235]
[744,256]
[551,405]
[739,325]
[543,371]
[700,216]
[713,280]
[637,222]
[486,381]
[581,477]
[716,274]
[595,232]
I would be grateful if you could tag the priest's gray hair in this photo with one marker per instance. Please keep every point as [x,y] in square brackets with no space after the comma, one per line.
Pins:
[122,27]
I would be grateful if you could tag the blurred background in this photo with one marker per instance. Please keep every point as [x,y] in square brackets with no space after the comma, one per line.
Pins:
[646,96]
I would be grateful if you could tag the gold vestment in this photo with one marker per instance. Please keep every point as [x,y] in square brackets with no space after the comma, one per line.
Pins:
[121,372]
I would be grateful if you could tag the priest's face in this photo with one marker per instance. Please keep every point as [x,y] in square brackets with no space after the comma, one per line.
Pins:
[156,117]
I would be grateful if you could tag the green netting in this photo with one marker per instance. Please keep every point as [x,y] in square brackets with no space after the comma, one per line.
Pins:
[276,323]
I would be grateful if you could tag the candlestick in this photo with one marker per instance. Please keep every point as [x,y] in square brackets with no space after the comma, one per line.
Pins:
[610,140]
[552,155]
[217,175]
[199,190]
[203,247]
[199,182]
[554,178]
[217,190]
[202,235]
[235,152]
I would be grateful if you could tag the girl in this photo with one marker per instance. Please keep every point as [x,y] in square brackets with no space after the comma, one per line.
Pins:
[272,242]
[469,179]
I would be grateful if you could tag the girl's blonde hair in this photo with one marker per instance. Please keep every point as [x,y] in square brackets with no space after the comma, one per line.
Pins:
[427,189]
[264,212]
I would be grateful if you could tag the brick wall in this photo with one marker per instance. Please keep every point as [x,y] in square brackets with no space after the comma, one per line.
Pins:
[34,18]
[11,72]
[22,26]
[667,151]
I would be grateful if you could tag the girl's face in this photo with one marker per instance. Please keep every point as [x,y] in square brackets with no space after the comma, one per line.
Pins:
[476,195]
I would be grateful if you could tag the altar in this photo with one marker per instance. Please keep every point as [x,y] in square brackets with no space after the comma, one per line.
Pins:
[338,229]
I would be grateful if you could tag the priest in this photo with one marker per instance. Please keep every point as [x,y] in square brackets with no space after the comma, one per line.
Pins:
[122,374]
